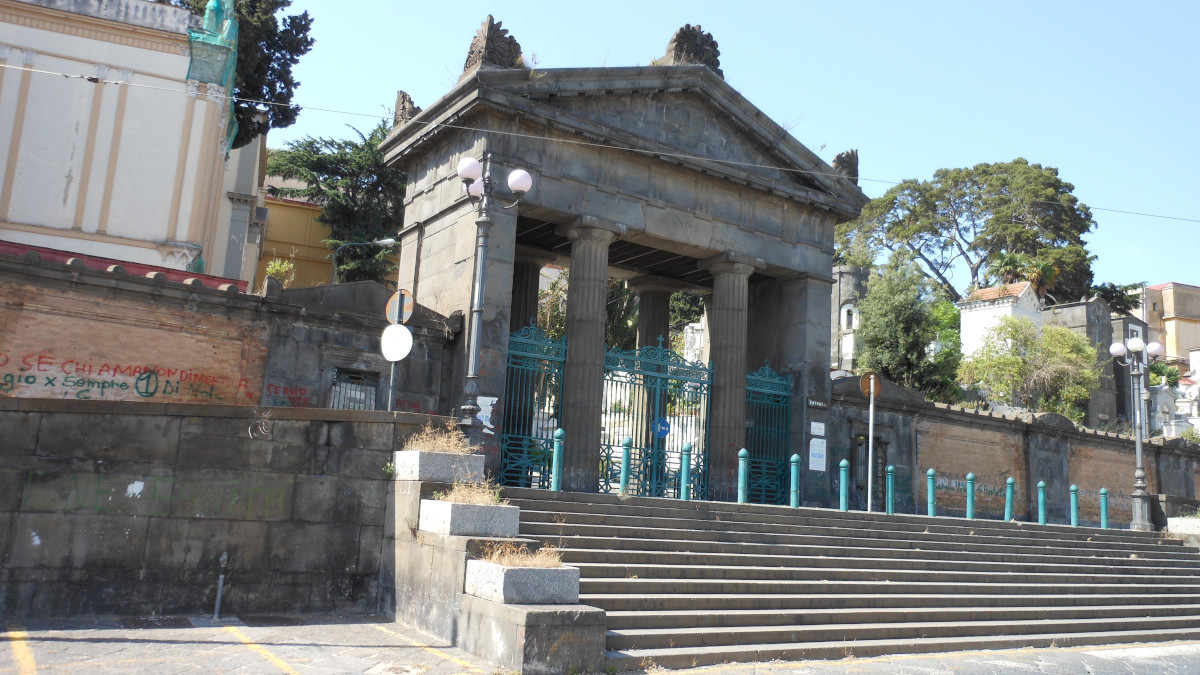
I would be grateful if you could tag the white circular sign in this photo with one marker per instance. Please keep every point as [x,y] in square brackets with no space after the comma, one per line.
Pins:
[396,342]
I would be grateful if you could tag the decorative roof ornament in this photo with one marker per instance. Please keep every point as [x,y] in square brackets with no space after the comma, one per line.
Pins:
[493,46]
[404,110]
[692,46]
[846,163]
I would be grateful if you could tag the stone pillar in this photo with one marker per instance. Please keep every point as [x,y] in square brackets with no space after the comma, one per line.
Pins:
[654,310]
[728,326]
[527,274]
[583,375]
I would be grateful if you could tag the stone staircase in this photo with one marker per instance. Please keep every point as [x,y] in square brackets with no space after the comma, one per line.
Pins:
[698,583]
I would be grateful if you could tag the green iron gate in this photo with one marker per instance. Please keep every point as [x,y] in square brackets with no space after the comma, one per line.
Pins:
[660,400]
[532,393]
[768,424]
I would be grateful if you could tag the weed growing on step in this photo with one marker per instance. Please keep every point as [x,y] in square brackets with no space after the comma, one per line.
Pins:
[389,470]
[511,554]
[462,492]
[651,667]
[449,439]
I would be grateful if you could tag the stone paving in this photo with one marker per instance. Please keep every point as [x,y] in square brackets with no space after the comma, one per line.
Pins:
[329,644]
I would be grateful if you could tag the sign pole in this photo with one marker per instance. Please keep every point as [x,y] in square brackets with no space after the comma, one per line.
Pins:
[871,448]
[392,388]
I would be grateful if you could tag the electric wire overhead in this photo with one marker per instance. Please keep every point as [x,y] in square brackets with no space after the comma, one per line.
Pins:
[98,80]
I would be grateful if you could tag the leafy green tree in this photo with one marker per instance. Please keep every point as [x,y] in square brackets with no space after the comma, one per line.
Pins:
[898,327]
[552,307]
[621,327]
[1160,370]
[1049,370]
[268,47]
[971,216]
[1118,296]
[361,197]
[685,308]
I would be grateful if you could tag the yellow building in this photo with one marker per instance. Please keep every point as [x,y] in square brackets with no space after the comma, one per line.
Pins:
[1172,311]
[293,233]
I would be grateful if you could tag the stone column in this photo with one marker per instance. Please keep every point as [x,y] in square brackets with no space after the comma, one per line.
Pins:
[654,310]
[728,333]
[583,375]
[527,274]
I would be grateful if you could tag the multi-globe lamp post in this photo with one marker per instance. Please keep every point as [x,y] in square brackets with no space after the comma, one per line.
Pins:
[480,188]
[1130,355]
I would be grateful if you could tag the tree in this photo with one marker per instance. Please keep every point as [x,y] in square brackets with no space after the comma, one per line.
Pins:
[899,327]
[973,215]
[267,49]
[621,323]
[1159,370]
[1049,370]
[1118,297]
[360,195]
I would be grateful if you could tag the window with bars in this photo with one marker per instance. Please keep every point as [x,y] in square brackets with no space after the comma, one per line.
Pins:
[354,389]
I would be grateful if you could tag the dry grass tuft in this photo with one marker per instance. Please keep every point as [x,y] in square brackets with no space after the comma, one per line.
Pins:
[449,439]
[461,492]
[511,554]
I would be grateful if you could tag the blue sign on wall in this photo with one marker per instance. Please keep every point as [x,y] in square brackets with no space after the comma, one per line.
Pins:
[661,427]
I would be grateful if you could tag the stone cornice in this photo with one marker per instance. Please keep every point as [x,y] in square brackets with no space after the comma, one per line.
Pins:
[83,26]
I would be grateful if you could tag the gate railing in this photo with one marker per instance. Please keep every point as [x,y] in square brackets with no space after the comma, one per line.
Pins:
[660,400]
[532,395]
[768,425]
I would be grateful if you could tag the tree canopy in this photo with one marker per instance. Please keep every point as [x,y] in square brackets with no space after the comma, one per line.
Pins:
[361,197]
[973,216]
[1049,370]
[900,325]
[268,47]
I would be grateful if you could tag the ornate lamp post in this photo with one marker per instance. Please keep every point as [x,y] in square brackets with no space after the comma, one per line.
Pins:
[480,188]
[382,243]
[1129,354]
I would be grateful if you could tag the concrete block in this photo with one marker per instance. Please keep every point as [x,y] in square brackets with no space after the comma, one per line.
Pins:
[19,431]
[522,585]
[233,495]
[189,544]
[303,547]
[130,438]
[370,549]
[1183,526]
[443,467]
[469,520]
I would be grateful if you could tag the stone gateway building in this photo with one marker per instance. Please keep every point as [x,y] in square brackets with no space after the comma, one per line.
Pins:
[661,175]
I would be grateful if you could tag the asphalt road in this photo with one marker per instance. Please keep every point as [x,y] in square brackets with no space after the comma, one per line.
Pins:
[328,644]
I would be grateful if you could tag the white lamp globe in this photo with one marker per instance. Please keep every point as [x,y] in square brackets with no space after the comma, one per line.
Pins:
[1135,344]
[474,189]
[1117,349]
[1154,349]
[396,342]
[519,181]
[469,168]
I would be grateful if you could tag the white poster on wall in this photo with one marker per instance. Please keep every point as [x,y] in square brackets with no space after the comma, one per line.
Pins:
[818,428]
[816,454]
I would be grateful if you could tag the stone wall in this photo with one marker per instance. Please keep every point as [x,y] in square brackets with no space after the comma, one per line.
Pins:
[113,507]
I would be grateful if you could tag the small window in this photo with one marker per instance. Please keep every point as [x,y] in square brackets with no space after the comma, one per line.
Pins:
[353,390]
[849,317]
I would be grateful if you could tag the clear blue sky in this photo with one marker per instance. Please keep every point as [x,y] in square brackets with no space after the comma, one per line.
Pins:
[1108,92]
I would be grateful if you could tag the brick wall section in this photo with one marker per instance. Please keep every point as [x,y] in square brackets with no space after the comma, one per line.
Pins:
[115,507]
[993,452]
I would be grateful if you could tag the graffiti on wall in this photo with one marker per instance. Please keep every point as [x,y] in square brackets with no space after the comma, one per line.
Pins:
[44,374]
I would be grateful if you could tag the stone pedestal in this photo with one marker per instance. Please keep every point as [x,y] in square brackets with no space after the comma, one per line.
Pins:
[728,326]
[583,373]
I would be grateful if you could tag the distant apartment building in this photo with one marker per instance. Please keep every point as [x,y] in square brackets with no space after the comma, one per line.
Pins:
[1172,314]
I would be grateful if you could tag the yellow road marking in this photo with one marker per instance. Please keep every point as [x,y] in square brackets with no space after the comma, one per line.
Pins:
[261,651]
[18,638]
[436,652]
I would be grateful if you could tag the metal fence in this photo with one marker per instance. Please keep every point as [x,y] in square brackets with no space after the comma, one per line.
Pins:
[532,395]
[768,425]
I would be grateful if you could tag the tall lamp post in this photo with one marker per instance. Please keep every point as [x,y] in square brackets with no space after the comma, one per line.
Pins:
[480,188]
[1130,355]
[381,243]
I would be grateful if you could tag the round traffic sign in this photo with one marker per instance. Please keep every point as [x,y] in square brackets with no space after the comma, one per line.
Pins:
[396,342]
[399,307]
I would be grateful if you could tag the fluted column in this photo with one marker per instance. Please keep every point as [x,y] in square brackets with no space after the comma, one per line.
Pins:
[654,310]
[583,375]
[527,274]
[728,334]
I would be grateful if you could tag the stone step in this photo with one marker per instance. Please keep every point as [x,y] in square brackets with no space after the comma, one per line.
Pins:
[693,618]
[800,571]
[870,548]
[722,602]
[846,538]
[614,562]
[659,638]
[685,657]
[541,511]
[639,587]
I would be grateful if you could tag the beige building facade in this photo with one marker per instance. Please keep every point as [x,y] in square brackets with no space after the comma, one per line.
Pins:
[1172,313]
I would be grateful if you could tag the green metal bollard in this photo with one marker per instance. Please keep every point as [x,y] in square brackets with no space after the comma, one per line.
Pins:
[1104,508]
[795,501]
[844,484]
[970,496]
[1074,505]
[685,472]
[931,493]
[743,476]
[626,447]
[1009,486]
[556,461]
[1041,502]
[891,489]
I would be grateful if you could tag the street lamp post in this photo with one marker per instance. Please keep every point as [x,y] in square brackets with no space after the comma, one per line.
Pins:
[382,243]
[1130,355]
[480,188]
